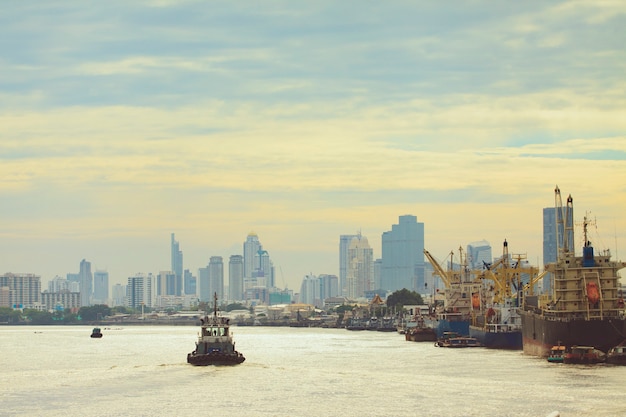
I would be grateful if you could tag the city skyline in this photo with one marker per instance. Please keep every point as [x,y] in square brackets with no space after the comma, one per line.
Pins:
[125,122]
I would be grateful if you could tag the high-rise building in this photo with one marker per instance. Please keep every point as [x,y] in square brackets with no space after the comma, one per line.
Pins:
[177,262]
[85,278]
[403,256]
[190,283]
[20,290]
[360,271]
[251,248]
[344,245]
[310,291]
[139,291]
[235,278]
[216,276]
[554,237]
[118,295]
[479,254]
[101,287]
[264,269]
[166,283]
[204,290]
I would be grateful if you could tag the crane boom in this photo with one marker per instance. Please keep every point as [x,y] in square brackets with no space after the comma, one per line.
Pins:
[438,269]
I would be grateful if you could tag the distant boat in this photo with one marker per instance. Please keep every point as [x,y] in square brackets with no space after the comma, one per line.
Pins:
[215,344]
[557,354]
[459,342]
[96,333]
[617,354]
[584,355]
[420,332]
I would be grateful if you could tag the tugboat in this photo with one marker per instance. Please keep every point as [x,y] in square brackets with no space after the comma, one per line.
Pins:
[96,333]
[215,344]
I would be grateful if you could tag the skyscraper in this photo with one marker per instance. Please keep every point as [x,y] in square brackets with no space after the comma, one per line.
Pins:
[101,287]
[554,237]
[235,278]
[139,291]
[85,278]
[177,263]
[216,276]
[251,248]
[479,254]
[190,283]
[360,270]
[403,256]
[344,245]
[166,283]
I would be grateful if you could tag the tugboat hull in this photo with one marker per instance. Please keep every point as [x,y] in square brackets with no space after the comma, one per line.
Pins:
[207,359]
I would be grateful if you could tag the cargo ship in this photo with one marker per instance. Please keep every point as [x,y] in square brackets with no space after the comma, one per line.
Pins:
[586,304]
[452,307]
[497,323]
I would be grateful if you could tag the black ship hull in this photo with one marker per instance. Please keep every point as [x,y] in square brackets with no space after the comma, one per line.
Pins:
[215,358]
[539,333]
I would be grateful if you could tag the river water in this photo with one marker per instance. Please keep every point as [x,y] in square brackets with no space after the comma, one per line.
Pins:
[142,371]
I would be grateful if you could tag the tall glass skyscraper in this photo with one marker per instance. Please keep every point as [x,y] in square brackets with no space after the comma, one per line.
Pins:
[251,248]
[235,278]
[360,267]
[344,245]
[85,278]
[403,256]
[479,254]
[177,262]
[101,287]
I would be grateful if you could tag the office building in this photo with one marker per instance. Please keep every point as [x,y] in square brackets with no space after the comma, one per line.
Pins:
[344,245]
[118,295]
[235,278]
[360,270]
[139,291]
[177,263]
[479,255]
[101,287]
[403,256]
[216,277]
[251,249]
[166,283]
[85,279]
[190,283]
[20,291]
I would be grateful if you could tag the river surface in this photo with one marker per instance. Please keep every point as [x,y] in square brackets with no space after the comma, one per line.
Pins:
[142,371]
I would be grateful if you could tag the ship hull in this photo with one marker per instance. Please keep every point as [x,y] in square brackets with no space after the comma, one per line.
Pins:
[511,340]
[215,358]
[540,334]
[441,326]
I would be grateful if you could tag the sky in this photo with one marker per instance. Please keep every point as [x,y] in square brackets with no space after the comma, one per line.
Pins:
[123,122]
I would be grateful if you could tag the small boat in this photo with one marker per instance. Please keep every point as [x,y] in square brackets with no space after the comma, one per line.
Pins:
[458,342]
[215,344]
[584,354]
[96,333]
[421,332]
[557,354]
[617,354]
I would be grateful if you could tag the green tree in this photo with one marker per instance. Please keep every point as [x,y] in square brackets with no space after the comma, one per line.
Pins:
[38,317]
[402,298]
[236,306]
[10,316]
[94,313]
